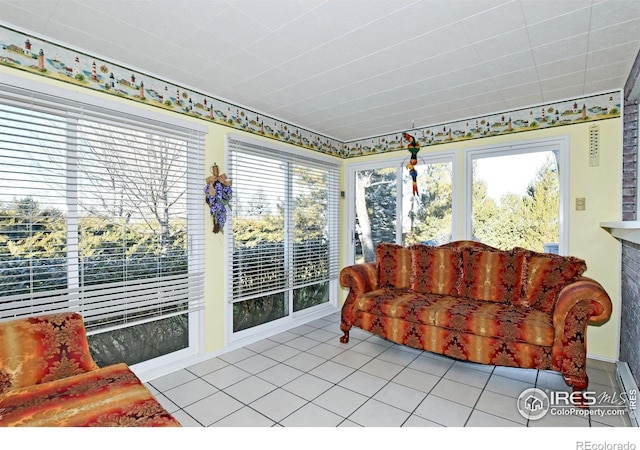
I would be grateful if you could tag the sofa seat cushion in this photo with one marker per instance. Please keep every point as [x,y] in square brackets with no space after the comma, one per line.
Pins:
[482,318]
[390,302]
[110,396]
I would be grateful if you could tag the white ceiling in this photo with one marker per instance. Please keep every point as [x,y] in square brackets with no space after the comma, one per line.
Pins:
[351,69]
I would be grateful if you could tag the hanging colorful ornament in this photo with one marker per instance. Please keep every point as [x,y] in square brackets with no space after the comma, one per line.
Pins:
[414,148]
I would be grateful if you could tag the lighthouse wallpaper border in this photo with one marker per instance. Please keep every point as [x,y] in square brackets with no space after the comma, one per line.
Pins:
[39,56]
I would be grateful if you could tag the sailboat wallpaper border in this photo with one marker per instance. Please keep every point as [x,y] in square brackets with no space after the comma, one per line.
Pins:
[39,56]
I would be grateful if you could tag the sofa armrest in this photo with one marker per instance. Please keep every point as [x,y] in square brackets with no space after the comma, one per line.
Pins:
[583,290]
[359,279]
[580,303]
[40,349]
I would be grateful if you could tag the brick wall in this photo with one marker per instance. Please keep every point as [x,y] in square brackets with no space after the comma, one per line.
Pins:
[630,313]
[630,161]
[630,302]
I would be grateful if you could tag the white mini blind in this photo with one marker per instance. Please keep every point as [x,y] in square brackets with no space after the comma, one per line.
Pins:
[100,212]
[284,220]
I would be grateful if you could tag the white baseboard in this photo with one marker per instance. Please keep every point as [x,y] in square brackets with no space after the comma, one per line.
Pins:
[629,388]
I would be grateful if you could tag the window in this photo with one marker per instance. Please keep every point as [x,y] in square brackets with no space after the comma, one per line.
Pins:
[100,213]
[515,197]
[384,192]
[282,241]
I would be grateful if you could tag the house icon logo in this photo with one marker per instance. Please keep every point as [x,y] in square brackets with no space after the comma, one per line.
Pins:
[533,404]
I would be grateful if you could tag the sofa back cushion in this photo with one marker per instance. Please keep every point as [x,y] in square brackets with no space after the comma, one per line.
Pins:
[544,276]
[35,350]
[394,265]
[492,275]
[436,270]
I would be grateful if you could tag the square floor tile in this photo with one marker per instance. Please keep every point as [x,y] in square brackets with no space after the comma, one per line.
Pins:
[363,383]
[308,386]
[302,343]
[283,337]
[225,377]
[190,392]
[416,379]
[278,404]
[332,371]
[326,351]
[302,329]
[250,389]
[236,355]
[262,345]
[552,380]
[341,401]
[166,403]
[256,364]
[213,408]
[402,397]
[382,369]
[397,356]
[369,348]
[172,380]
[482,419]
[322,335]
[457,392]
[500,405]
[416,421]
[280,374]
[311,415]
[352,359]
[244,417]
[207,366]
[304,361]
[443,411]
[466,375]
[433,366]
[281,352]
[526,375]
[507,386]
[376,414]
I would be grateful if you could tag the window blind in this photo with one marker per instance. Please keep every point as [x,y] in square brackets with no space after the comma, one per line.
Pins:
[285,220]
[100,212]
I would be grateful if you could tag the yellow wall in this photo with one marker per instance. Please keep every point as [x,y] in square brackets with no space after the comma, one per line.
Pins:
[601,186]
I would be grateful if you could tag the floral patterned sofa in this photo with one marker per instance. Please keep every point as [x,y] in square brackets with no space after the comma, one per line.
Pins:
[49,379]
[473,302]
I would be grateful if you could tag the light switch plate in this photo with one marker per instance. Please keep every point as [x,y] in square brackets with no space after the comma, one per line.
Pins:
[581,204]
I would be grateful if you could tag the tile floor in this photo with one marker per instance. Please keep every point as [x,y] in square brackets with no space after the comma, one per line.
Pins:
[305,377]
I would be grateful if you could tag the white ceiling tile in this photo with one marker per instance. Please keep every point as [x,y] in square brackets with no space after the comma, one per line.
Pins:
[562,81]
[355,68]
[536,11]
[610,37]
[561,67]
[607,13]
[560,28]
[511,63]
[505,44]
[490,23]
[274,13]
[559,51]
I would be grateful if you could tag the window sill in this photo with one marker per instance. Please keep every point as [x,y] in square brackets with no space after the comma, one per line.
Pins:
[628,230]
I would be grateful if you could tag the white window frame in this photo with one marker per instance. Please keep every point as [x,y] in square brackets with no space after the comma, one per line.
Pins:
[151,368]
[555,144]
[243,337]
[399,162]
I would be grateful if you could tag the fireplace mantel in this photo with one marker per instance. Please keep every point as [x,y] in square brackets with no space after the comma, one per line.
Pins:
[628,230]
